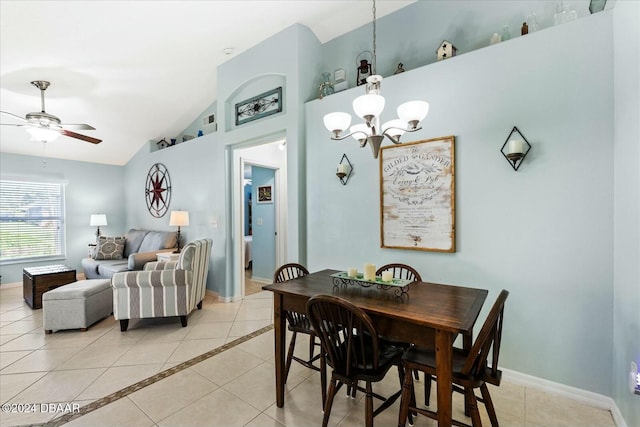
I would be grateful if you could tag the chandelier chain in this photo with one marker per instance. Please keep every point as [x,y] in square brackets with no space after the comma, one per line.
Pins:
[374,38]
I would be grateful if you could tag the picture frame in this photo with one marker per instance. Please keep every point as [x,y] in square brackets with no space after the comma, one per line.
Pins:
[265,194]
[258,107]
[417,195]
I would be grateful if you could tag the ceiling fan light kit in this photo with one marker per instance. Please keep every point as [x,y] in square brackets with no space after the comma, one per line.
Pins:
[47,127]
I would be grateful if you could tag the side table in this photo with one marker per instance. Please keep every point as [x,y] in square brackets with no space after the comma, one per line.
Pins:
[38,280]
[167,256]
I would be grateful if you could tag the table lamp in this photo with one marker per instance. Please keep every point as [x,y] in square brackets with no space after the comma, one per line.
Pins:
[178,219]
[96,221]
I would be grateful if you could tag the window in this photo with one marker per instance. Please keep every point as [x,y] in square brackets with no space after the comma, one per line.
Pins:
[31,221]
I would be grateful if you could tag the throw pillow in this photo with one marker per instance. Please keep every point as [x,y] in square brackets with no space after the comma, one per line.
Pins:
[110,247]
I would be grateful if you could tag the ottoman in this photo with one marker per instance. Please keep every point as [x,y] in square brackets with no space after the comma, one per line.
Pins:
[77,305]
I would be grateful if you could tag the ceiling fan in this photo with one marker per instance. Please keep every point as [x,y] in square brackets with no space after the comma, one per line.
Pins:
[46,127]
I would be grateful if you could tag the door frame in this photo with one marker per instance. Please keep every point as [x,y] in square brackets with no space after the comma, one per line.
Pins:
[239,158]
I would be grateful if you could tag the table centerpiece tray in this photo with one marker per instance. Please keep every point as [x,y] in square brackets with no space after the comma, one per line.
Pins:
[399,286]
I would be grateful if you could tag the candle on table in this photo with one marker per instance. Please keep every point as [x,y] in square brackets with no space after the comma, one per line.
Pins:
[387,276]
[352,272]
[369,272]
[515,146]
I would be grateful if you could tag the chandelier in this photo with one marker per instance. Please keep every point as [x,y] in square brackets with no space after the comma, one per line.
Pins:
[369,107]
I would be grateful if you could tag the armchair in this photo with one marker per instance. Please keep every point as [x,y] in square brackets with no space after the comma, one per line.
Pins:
[163,289]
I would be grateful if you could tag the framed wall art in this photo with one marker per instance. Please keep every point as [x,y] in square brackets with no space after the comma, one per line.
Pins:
[417,195]
[157,190]
[265,194]
[259,106]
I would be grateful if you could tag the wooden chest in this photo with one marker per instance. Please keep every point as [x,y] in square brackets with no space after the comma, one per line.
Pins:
[38,280]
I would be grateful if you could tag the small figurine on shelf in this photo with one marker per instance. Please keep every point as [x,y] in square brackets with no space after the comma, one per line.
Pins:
[506,34]
[200,133]
[326,87]
[162,143]
[446,50]
[495,38]
[400,69]
[525,29]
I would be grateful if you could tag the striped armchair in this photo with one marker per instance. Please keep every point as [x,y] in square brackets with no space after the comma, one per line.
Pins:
[163,289]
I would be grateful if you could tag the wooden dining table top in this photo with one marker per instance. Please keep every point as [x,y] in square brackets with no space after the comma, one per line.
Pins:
[445,307]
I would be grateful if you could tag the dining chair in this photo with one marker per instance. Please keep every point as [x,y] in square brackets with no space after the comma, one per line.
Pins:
[297,322]
[350,346]
[404,271]
[470,369]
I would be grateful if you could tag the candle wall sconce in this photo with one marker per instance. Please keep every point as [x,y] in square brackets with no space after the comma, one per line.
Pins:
[515,148]
[343,172]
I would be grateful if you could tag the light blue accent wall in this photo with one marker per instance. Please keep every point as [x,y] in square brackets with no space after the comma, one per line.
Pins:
[264,243]
[197,186]
[626,249]
[543,233]
[89,188]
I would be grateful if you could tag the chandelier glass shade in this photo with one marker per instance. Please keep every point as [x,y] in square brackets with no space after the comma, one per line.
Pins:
[369,107]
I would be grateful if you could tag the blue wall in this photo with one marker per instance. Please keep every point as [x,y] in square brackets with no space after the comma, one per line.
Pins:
[90,188]
[544,232]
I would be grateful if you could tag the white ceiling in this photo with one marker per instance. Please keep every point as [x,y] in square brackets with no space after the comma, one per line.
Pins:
[137,70]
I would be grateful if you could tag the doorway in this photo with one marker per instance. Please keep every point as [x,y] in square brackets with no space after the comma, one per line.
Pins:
[259,215]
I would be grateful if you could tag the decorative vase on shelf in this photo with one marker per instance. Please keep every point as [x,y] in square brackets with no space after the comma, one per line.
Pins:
[506,34]
[326,87]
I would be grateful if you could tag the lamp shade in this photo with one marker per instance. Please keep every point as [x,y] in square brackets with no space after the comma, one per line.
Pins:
[337,121]
[413,111]
[179,219]
[394,127]
[98,220]
[42,134]
[368,105]
[360,131]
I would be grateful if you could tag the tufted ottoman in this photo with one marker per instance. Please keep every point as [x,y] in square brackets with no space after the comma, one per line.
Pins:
[77,305]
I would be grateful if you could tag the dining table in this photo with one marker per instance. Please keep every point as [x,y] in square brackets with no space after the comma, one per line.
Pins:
[429,315]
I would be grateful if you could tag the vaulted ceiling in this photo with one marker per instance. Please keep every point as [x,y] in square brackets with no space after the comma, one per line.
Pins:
[136,70]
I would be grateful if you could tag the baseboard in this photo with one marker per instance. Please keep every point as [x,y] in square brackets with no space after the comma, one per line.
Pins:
[262,280]
[212,294]
[585,397]
[10,285]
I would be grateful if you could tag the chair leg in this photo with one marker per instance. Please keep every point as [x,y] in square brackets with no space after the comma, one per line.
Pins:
[473,408]
[124,324]
[405,399]
[369,406]
[199,306]
[183,320]
[287,365]
[427,389]
[329,402]
[488,403]
[323,378]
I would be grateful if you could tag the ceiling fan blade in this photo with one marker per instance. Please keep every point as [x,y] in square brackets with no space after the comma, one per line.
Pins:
[78,126]
[79,136]
[13,115]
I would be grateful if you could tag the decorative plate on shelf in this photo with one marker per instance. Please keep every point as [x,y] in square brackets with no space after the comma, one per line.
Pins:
[158,190]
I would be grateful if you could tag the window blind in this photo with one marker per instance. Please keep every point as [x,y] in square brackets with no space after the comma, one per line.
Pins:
[31,221]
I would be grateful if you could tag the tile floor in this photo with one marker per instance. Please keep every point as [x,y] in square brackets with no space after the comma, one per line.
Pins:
[114,377]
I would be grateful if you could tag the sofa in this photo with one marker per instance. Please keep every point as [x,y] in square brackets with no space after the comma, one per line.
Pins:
[127,253]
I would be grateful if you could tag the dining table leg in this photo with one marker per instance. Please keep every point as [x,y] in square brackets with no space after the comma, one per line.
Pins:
[444,361]
[279,328]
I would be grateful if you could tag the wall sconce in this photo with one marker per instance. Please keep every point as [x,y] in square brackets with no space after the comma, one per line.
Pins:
[178,219]
[515,148]
[96,221]
[343,172]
